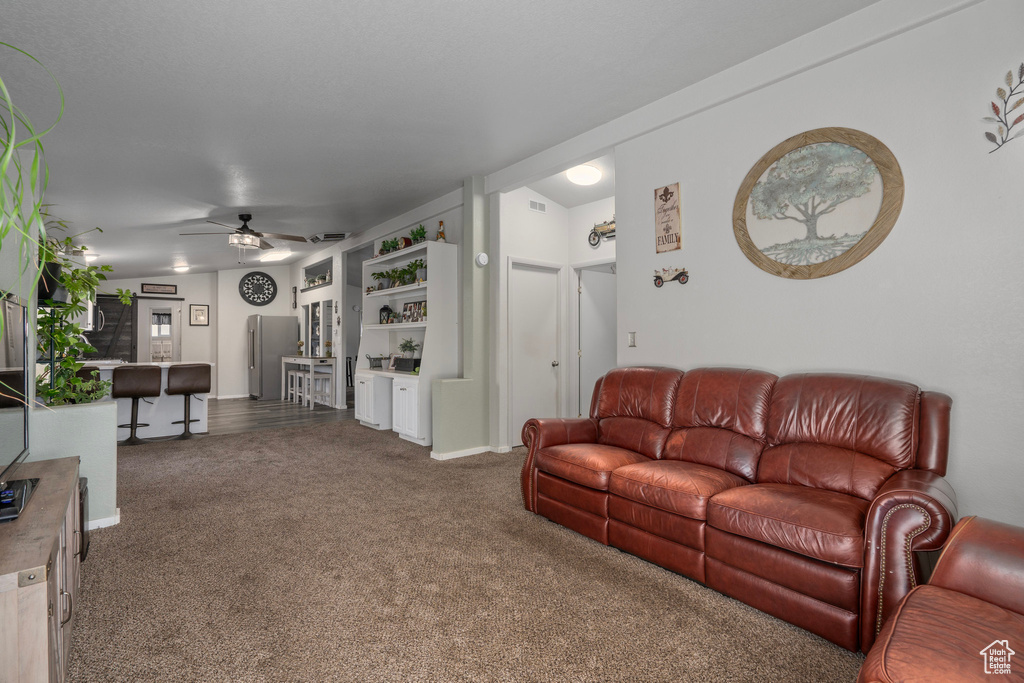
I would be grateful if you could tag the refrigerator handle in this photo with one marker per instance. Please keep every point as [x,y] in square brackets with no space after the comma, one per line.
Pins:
[252,349]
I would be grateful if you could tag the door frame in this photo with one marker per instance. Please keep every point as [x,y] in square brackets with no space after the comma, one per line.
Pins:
[561,339]
[576,400]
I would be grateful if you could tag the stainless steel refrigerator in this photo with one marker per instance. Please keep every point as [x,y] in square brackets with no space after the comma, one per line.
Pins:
[269,338]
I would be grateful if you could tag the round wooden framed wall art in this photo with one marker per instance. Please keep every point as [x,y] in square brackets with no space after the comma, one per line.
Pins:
[818,203]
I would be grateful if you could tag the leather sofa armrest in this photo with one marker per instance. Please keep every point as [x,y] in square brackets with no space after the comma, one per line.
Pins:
[913,511]
[984,559]
[542,433]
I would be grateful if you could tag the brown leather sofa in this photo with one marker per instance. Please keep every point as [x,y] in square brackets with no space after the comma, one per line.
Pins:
[803,496]
[964,624]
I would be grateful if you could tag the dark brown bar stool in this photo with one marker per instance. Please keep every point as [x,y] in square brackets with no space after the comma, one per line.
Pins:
[188,379]
[135,382]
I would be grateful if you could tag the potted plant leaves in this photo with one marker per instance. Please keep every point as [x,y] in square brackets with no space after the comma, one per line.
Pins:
[416,270]
[418,234]
[408,347]
[382,278]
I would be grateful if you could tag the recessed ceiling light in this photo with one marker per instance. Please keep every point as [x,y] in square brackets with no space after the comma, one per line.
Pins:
[89,258]
[584,174]
[276,256]
[181,269]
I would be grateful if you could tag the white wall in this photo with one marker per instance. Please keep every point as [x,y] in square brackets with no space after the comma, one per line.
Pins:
[939,303]
[531,236]
[232,313]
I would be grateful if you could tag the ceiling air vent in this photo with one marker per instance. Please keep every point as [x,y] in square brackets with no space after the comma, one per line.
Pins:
[328,237]
[539,207]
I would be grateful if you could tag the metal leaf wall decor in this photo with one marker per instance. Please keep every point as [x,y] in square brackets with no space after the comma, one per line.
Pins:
[1008,100]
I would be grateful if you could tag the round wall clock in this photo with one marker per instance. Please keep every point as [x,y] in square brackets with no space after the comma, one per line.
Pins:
[257,288]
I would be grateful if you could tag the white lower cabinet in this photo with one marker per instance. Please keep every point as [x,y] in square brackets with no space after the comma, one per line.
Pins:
[373,400]
[405,407]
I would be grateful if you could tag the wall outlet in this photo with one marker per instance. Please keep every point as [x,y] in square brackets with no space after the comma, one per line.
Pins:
[631,337]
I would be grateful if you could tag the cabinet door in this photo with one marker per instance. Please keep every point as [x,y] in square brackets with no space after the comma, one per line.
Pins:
[406,409]
[364,399]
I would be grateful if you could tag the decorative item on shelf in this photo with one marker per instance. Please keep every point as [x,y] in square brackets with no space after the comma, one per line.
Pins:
[385,314]
[818,203]
[416,271]
[301,344]
[414,312]
[376,362]
[418,234]
[668,274]
[327,349]
[440,231]
[408,347]
[388,246]
[404,242]
[1001,119]
[383,281]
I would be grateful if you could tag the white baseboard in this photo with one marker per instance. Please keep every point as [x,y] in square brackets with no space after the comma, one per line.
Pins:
[459,454]
[109,521]
[238,396]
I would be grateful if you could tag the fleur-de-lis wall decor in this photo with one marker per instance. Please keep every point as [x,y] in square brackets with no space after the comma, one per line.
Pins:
[1009,99]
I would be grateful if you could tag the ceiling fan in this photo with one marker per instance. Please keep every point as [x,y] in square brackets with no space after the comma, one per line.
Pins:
[247,238]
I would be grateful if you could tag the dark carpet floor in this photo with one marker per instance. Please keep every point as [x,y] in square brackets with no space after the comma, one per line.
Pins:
[338,553]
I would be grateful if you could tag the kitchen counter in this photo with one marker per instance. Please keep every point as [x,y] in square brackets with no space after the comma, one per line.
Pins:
[164,409]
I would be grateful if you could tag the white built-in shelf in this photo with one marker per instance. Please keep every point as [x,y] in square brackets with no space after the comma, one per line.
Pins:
[422,324]
[403,291]
[400,254]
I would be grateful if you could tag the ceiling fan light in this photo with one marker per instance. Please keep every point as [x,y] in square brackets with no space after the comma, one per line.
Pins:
[243,241]
[584,174]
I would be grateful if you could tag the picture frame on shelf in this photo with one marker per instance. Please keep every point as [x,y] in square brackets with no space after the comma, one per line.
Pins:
[394,361]
[199,315]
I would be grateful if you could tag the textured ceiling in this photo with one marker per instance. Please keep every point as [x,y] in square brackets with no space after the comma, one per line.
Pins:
[334,115]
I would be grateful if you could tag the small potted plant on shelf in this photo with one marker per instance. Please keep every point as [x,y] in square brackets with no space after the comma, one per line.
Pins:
[301,344]
[416,270]
[327,349]
[418,234]
[408,347]
[383,281]
[397,276]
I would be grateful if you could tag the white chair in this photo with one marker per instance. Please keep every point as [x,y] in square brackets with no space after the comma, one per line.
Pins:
[296,389]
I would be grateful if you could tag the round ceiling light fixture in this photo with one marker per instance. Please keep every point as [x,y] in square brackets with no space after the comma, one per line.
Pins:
[181,269]
[584,174]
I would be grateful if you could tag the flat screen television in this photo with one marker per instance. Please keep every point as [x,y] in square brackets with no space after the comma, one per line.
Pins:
[14,377]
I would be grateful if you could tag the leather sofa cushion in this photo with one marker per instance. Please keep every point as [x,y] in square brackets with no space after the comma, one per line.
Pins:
[938,635]
[728,398]
[718,448]
[673,485]
[633,434]
[644,393]
[585,464]
[822,524]
[869,415]
[826,467]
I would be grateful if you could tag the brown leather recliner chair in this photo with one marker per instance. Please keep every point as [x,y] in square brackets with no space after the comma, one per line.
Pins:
[967,622]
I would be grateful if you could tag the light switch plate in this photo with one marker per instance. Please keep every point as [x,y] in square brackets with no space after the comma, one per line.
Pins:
[631,336]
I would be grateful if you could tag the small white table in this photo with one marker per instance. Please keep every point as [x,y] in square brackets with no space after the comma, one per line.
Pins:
[310,365]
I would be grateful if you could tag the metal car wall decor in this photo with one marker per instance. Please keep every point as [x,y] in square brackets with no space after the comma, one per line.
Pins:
[669,274]
[604,230]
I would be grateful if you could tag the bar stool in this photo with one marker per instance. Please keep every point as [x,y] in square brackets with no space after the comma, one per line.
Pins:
[186,379]
[135,382]
[321,389]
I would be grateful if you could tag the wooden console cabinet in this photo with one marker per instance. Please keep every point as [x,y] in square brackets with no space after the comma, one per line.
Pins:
[40,553]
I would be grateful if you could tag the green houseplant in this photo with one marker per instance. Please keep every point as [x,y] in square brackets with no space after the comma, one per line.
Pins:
[418,234]
[59,339]
[408,347]
[416,270]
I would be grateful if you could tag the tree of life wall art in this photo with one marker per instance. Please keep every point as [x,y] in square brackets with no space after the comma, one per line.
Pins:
[818,203]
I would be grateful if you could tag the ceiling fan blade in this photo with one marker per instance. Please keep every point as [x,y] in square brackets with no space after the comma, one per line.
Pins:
[205,233]
[266,245]
[278,236]
[229,227]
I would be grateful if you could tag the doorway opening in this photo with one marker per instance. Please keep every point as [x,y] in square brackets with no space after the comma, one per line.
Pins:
[596,325]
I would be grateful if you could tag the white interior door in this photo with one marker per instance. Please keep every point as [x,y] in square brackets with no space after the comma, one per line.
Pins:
[597,330]
[535,363]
